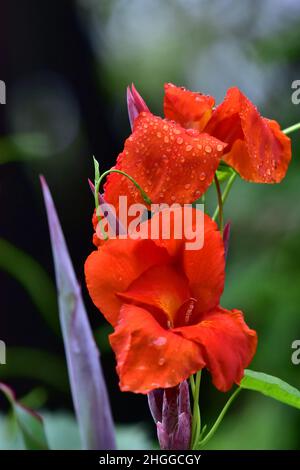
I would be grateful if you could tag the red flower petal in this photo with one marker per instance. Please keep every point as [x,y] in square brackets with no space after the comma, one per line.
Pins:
[204,267]
[170,163]
[228,345]
[114,266]
[258,150]
[149,356]
[162,287]
[190,109]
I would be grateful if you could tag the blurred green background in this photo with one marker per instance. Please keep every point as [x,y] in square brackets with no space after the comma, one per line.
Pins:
[66,66]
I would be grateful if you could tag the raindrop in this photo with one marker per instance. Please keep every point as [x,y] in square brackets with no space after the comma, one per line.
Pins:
[188,148]
[160,341]
[208,148]
[179,140]
[202,176]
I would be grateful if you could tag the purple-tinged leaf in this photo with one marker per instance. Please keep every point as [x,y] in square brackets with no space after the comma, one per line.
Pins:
[29,422]
[88,388]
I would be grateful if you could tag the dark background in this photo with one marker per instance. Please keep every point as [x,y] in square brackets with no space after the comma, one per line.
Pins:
[66,65]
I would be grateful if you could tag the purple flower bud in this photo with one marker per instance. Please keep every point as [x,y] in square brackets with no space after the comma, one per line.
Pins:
[135,104]
[110,215]
[170,409]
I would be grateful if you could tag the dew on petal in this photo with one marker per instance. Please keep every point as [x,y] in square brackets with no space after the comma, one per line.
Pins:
[179,140]
[160,341]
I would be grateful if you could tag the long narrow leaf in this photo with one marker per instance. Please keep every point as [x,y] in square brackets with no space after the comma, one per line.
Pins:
[271,387]
[87,383]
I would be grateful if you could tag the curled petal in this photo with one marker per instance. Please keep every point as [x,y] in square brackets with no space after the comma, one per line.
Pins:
[228,345]
[257,149]
[114,266]
[170,163]
[149,356]
[189,109]
[162,287]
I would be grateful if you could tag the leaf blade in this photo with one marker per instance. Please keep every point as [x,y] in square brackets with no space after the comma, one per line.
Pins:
[88,388]
[29,422]
[272,387]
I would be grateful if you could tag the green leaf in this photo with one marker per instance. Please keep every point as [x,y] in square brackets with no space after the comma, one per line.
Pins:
[224,172]
[35,280]
[271,387]
[29,422]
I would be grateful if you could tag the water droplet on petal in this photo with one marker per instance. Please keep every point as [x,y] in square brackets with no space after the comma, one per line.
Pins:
[202,176]
[160,341]
[158,135]
[187,186]
[208,148]
[166,139]
[179,140]
[219,147]
[188,148]
[161,361]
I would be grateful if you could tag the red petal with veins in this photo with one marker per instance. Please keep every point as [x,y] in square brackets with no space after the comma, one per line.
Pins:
[170,163]
[149,356]
[228,345]
[188,108]
[257,149]
[162,287]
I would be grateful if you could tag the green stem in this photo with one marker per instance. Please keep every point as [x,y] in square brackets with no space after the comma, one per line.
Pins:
[113,170]
[219,419]
[98,181]
[192,384]
[291,129]
[196,420]
[220,204]
[225,193]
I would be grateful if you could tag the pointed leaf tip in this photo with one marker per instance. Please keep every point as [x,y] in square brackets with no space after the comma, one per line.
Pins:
[88,388]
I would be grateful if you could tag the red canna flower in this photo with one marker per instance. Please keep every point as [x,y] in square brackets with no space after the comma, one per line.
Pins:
[257,149]
[175,159]
[163,302]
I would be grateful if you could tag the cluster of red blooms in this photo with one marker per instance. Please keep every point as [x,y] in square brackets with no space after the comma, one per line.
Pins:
[162,300]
